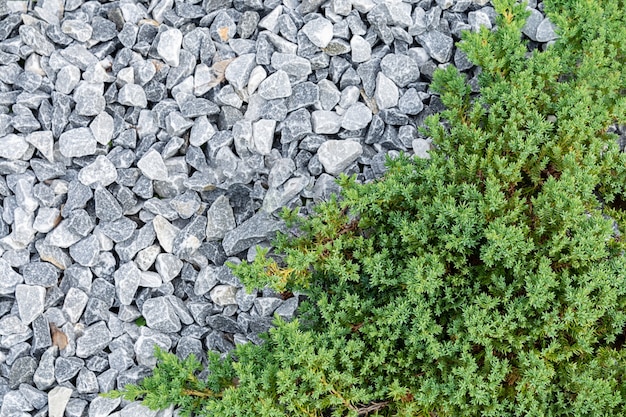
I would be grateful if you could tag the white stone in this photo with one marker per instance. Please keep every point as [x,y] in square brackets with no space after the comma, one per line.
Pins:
[169,46]
[165,232]
[102,128]
[58,397]
[101,171]
[263,135]
[319,31]
[337,155]
[152,166]
[386,94]
[13,147]
[223,295]
[43,142]
[30,301]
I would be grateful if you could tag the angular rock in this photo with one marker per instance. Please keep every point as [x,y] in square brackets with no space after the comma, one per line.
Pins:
[152,166]
[77,142]
[256,229]
[439,46]
[127,279]
[337,155]
[401,69]
[319,31]
[546,31]
[132,95]
[238,72]
[58,397]
[13,147]
[107,207]
[275,86]
[41,274]
[169,45]
[220,219]
[160,315]
[30,301]
[356,117]
[95,338]
[387,93]
[74,304]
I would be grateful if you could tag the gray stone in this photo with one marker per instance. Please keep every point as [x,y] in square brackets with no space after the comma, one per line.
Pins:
[356,117]
[86,251]
[387,93]
[89,98]
[102,128]
[303,95]
[478,18]
[80,222]
[165,233]
[103,407]
[22,372]
[281,171]
[546,31]
[127,279]
[168,266]
[337,155]
[244,300]
[152,166]
[220,219]
[439,46]
[144,346]
[43,142]
[58,397]
[188,240]
[201,132]
[77,29]
[14,404]
[275,86]
[107,207]
[319,31]
[276,198]
[263,135]
[13,147]
[30,301]
[9,279]
[186,204]
[238,72]
[296,67]
[532,23]
[86,382]
[118,230]
[421,147]
[46,219]
[288,308]
[256,229]
[136,409]
[265,306]
[36,40]
[223,295]
[44,375]
[67,368]
[77,142]
[35,397]
[101,172]
[95,338]
[42,274]
[361,49]
[169,45]
[132,95]
[401,69]
[160,315]
[74,304]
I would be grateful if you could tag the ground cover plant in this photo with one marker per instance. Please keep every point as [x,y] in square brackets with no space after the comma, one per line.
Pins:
[489,280]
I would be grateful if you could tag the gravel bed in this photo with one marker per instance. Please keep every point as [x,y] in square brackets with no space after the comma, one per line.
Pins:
[145,143]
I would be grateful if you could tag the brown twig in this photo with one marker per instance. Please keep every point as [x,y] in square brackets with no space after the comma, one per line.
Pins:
[373,407]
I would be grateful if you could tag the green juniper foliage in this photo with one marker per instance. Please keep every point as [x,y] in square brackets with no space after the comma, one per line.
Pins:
[489,280]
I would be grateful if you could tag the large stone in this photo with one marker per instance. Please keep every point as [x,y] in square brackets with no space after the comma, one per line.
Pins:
[275,86]
[356,117]
[160,315]
[77,142]
[101,171]
[152,166]
[9,279]
[132,95]
[13,147]
[30,301]
[439,46]
[58,397]
[238,72]
[95,338]
[220,219]
[42,274]
[319,31]
[169,45]
[401,69]
[127,279]
[337,155]
[256,229]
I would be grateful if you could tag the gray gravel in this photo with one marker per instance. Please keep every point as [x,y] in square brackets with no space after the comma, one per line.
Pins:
[144,143]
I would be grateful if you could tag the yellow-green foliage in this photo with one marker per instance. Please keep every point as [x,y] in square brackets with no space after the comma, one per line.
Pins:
[486,281]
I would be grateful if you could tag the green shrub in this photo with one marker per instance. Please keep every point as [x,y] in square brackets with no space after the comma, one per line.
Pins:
[488,280]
